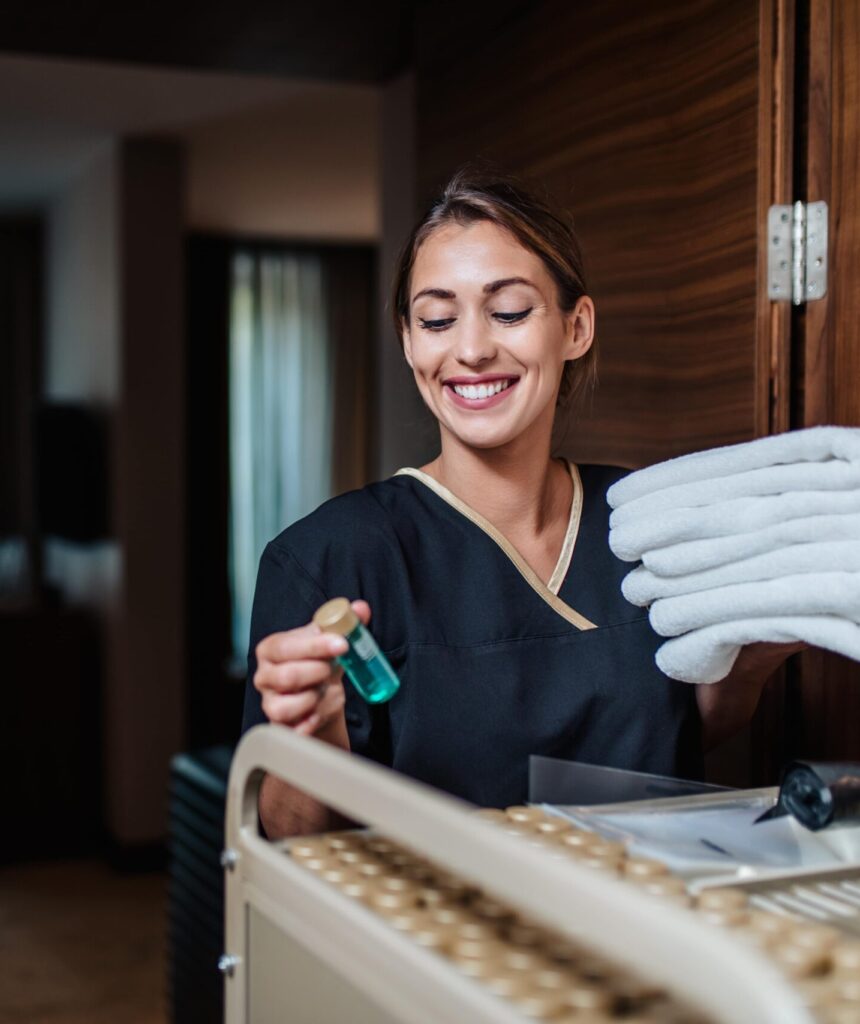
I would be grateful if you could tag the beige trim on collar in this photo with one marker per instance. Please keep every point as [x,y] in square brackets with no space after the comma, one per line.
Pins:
[549,592]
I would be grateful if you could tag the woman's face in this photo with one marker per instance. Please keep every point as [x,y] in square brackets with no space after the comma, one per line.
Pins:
[486,338]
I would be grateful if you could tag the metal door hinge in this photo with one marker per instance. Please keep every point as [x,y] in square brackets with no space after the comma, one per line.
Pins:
[797,252]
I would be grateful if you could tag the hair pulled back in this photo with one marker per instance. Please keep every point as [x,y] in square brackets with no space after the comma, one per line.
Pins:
[481,194]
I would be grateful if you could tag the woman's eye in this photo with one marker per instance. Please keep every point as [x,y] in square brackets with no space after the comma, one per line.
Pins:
[436,325]
[512,318]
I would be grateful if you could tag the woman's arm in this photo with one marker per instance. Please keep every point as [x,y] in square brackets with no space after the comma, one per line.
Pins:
[287,811]
[727,706]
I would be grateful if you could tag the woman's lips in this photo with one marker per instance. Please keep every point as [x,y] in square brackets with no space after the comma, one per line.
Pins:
[479,403]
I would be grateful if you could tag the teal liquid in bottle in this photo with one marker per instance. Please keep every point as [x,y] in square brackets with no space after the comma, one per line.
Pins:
[365,664]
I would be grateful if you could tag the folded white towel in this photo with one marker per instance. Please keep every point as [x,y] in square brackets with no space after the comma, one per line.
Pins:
[725,519]
[824,593]
[707,655]
[641,586]
[834,476]
[816,444]
[694,556]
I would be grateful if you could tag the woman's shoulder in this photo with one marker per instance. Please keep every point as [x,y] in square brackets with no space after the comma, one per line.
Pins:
[363,515]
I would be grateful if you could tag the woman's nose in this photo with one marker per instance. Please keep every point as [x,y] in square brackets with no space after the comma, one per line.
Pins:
[473,342]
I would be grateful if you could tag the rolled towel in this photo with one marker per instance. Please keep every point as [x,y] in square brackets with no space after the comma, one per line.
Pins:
[630,541]
[694,556]
[824,593]
[816,444]
[834,476]
[641,586]
[707,655]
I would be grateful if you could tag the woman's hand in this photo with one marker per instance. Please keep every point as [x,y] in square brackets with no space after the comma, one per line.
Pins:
[299,685]
[727,706]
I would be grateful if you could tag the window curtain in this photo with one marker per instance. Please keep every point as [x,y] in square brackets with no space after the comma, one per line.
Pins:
[281,409]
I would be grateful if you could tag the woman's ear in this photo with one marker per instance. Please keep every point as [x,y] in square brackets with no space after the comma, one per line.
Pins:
[579,328]
[406,338]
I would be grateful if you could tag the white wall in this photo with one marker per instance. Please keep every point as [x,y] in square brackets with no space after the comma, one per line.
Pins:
[82,330]
[305,167]
[82,345]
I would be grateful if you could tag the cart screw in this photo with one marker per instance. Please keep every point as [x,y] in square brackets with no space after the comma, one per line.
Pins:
[229,859]
[227,964]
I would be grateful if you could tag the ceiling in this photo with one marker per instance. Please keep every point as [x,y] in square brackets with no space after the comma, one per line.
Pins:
[56,114]
[344,40]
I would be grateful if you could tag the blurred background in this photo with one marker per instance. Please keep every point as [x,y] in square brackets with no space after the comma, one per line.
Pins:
[200,208]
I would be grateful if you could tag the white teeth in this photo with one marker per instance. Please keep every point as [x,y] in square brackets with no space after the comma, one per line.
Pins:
[478,391]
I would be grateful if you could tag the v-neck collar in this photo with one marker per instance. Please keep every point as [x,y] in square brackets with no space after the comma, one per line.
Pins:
[548,591]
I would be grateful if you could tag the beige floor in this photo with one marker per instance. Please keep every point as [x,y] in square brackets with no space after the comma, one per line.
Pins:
[80,944]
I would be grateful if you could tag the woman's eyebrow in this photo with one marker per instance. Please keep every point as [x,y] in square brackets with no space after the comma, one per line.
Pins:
[489,289]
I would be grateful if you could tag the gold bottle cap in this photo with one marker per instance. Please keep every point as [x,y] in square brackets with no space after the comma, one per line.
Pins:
[492,814]
[577,838]
[771,924]
[446,914]
[846,958]
[612,865]
[474,949]
[357,889]
[731,917]
[489,910]
[430,897]
[432,936]
[397,883]
[539,1005]
[522,961]
[320,863]
[524,935]
[798,962]
[304,849]
[524,814]
[336,616]
[408,919]
[380,845]
[607,849]
[554,826]
[352,856]
[553,978]
[644,867]
[722,899]
[389,902]
[372,869]
[477,930]
[666,886]
[344,840]
[338,874]
[506,986]
[583,995]
[815,936]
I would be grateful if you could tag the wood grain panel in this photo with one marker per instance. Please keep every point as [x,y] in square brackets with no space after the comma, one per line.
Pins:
[645,121]
[826,719]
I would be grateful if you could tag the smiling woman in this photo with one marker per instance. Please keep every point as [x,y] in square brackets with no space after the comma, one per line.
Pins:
[493,590]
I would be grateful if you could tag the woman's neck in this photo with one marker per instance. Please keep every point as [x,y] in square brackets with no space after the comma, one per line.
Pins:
[519,488]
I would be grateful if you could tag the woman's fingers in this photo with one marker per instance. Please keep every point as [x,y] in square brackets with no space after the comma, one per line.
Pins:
[288,709]
[362,610]
[307,642]
[291,676]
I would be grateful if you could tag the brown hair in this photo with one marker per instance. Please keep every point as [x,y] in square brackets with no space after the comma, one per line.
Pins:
[475,194]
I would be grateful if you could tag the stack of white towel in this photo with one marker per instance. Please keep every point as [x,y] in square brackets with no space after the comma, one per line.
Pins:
[752,542]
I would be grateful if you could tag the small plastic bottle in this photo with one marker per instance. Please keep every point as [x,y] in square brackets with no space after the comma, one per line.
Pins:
[364,663]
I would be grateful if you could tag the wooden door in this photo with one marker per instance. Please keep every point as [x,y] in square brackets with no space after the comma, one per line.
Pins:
[665,128]
[824,710]
[668,129]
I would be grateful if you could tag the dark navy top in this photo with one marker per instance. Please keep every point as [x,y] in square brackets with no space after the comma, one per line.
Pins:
[493,666]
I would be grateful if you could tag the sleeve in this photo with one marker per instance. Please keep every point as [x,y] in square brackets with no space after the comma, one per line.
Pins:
[286,597]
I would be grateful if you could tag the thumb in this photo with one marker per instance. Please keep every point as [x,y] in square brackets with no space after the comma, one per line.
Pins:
[362,610]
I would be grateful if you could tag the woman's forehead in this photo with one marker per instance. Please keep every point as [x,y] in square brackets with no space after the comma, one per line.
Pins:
[473,255]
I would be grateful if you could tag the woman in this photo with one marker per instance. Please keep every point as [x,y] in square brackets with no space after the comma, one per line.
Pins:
[487,571]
